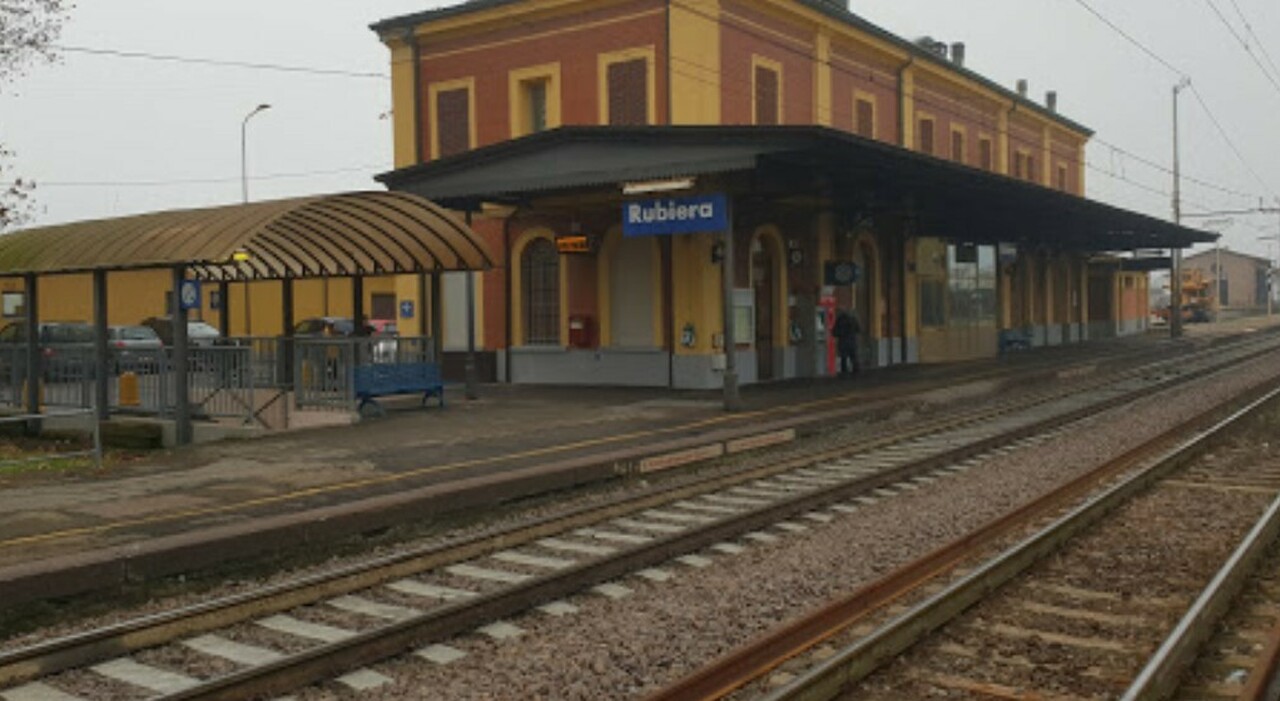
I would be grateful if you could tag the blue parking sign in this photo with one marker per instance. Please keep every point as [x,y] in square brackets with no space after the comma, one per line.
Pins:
[406,309]
[189,295]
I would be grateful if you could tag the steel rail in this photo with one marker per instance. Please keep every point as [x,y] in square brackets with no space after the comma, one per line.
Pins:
[324,661]
[56,655]
[1164,670]
[1263,683]
[65,653]
[834,676]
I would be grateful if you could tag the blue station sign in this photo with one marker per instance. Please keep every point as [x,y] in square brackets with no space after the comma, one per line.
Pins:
[676,215]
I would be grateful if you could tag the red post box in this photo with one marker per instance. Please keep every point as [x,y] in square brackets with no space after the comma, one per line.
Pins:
[582,331]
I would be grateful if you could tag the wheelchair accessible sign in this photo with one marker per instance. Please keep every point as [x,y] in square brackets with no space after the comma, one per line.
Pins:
[676,215]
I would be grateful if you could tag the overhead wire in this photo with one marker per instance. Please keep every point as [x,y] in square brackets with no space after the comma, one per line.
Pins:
[222,63]
[1244,44]
[1248,27]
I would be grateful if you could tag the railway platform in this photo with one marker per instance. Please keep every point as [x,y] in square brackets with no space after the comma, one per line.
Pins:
[197,509]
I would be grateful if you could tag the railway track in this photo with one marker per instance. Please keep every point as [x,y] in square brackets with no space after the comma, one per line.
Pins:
[340,621]
[1111,600]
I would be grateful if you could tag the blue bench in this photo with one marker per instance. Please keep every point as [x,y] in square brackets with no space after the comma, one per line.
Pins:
[384,379]
[1014,339]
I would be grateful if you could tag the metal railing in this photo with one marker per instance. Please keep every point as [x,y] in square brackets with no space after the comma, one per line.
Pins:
[324,368]
[236,378]
[95,452]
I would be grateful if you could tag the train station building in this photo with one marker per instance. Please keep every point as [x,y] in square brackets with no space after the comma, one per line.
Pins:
[857,170]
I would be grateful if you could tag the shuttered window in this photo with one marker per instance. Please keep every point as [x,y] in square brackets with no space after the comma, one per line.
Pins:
[985,156]
[628,83]
[926,136]
[540,286]
[957,147]
[864,120]
[766,97]
[453,111]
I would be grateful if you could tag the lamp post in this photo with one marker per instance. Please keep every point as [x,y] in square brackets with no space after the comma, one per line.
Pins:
[1175,277]
[244,168]
[244,194]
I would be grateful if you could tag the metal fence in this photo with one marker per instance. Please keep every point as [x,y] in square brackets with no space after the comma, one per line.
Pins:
[324,368]
[249,379]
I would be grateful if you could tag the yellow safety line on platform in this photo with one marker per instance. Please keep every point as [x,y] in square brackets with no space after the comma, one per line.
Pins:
[387,479]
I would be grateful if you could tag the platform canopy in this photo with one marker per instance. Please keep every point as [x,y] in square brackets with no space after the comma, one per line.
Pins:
[824,167]
[356,233]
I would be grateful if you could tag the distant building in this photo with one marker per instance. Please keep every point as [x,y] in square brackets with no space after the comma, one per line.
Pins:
[1238,281]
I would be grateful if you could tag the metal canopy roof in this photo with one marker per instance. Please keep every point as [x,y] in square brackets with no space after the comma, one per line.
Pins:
[858,175]
[358,233]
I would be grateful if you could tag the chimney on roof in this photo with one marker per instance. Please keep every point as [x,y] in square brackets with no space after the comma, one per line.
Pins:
[933,46]
[1051,101]
[1022,87]
[957,53]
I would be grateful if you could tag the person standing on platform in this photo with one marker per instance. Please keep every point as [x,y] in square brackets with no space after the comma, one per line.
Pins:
[846,330]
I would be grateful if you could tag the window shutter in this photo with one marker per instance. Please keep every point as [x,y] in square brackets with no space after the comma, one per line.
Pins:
[628,83]
[766,96]
[864,121]
[453,111]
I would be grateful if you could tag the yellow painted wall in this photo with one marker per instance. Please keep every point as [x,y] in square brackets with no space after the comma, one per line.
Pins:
[697,292]
[404,108]
[695,62]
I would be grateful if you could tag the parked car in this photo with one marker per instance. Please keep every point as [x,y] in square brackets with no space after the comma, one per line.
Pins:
[199,334]
[135,348]
[66,349]
[382,331]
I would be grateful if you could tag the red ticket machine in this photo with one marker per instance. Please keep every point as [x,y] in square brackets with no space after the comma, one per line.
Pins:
[582,331]
[827,309]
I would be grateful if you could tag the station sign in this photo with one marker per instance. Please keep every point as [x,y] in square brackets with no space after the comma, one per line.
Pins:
[189,295]
[676,215]
[574,244]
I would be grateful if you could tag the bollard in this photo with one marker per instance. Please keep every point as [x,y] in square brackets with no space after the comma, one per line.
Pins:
[39,393]
[129,389]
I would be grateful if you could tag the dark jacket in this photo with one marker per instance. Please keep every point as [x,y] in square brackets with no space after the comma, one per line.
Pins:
[846,329]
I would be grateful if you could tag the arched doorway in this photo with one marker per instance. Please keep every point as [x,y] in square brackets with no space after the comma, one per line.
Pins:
[763,283]
[864,303]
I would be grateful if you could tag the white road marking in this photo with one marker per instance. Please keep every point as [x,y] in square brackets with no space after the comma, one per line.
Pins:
[729,548]
[654,574]
[501,630]
[558,608]
[612,591]
[695,561]
[614,536]
[573,547]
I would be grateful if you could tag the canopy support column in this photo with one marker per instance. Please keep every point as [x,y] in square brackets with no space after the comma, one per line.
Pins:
[33,375]
[437,319]
[732,399]
[284,353]
[101,377]
[181,380]
[472,379]
[224,309]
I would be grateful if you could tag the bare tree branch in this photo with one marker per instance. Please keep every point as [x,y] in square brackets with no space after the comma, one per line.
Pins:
[28,29]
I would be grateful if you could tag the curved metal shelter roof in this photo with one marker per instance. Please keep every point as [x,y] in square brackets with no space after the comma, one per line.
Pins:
[356,233]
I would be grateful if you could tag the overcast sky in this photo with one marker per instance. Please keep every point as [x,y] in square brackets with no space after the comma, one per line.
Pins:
[107,136]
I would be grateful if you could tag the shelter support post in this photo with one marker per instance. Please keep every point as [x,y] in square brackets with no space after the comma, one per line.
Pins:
[472,379]
[224,308]
[101,377]
[732,399]
[181,380]
[284,354]
[437,319]
[32,384]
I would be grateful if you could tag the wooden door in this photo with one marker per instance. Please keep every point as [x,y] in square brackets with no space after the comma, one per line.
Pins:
[762,280]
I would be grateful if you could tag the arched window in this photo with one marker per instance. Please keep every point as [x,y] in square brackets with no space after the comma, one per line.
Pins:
[540,280]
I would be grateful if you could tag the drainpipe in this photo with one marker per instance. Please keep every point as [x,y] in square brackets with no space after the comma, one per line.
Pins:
[902,101]
[902,248]
[506,304]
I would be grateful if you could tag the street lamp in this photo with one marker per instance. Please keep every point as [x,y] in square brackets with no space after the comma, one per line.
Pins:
[244,168]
